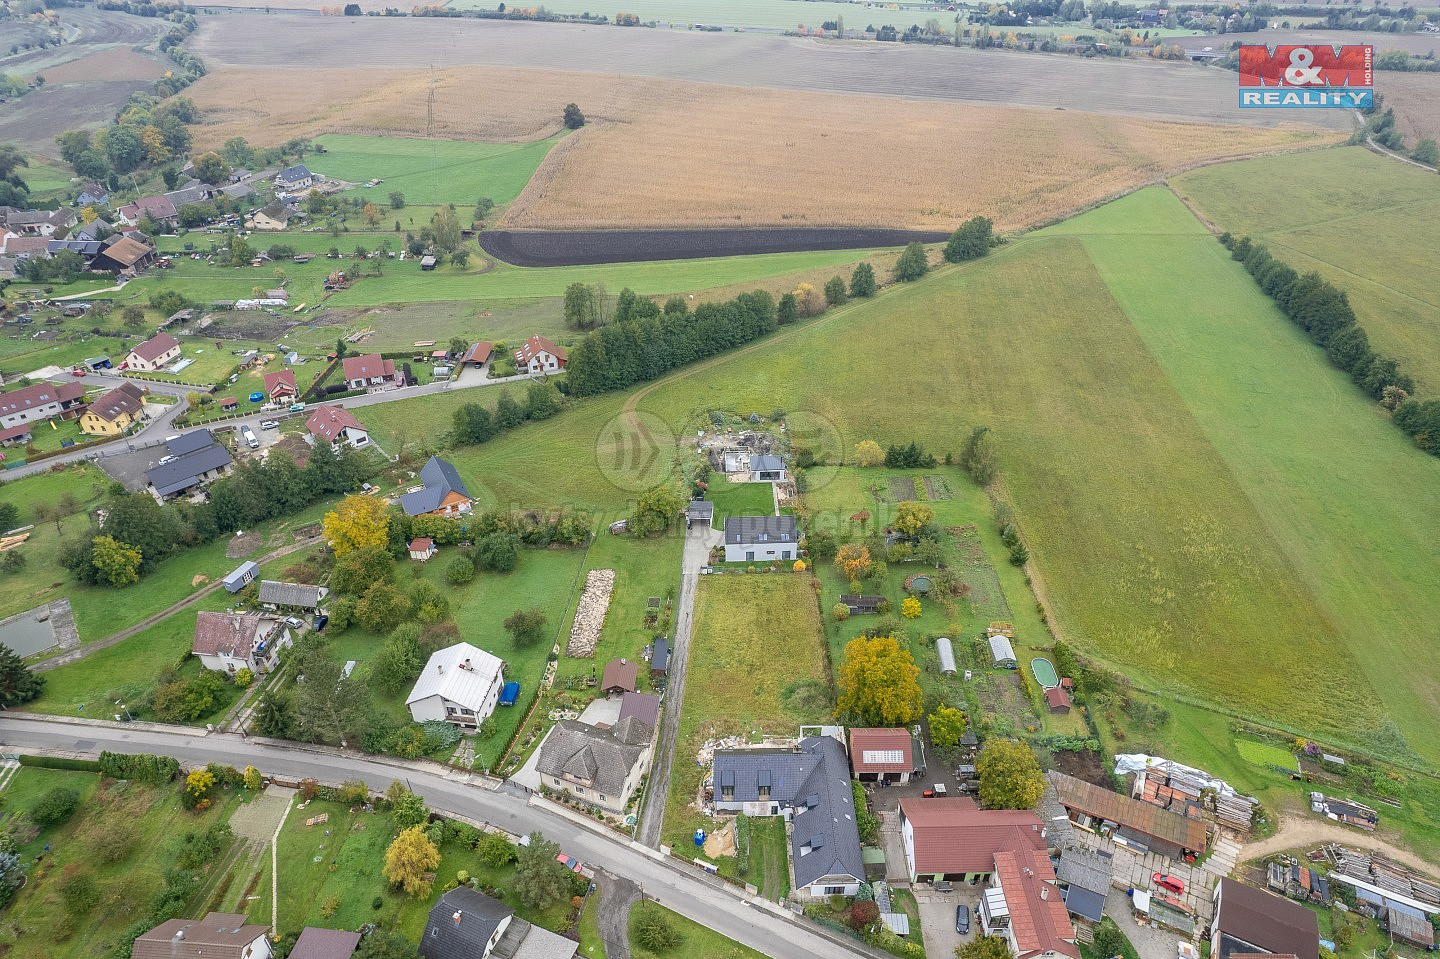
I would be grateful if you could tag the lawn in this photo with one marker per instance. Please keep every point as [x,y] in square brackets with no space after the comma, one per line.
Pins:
[740,499]
[1263,754]
[695,939]
[147,822]
[44,580]
[732,686]
[1374,231]
[432,171]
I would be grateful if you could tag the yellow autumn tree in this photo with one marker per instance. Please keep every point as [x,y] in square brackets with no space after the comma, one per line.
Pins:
[911,517]
[852,561]
[878,683]
[910,607]
[156,150]
[869,453]
[408,859]
[808,300]
[358,522]
[799,566]
[372,214]
[89,215]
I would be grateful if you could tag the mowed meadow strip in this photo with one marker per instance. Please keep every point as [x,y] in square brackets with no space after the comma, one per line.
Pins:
[1350,501]
[1373,231]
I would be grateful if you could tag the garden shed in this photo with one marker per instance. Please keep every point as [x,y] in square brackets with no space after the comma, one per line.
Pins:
[1001,652]
[947,656]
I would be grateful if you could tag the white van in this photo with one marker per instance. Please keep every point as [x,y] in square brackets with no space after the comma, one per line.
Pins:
[251,440]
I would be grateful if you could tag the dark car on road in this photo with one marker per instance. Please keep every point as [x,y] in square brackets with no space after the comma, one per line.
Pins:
[962,918]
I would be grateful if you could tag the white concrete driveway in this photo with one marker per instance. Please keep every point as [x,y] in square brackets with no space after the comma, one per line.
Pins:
[937,918]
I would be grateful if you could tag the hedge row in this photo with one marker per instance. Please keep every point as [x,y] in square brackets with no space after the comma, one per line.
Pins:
[57,762]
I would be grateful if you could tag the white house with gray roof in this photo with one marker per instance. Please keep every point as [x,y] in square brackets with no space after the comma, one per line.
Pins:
[760,539]
[278,595]
[810,786]
[765,468]
[460,684]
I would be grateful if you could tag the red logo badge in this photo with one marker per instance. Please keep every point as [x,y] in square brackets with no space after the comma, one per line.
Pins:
[1311,65]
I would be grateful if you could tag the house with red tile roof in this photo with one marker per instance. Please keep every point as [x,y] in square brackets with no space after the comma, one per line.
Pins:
[158,208]
[336,426]
[479,354]
[280,386]
[229,642]
[882,755]
[954,839]
[41,401]
[369,371]
[153,354]
[1023,905]
[539,355]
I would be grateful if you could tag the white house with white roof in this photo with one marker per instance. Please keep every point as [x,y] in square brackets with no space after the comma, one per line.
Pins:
[460,684]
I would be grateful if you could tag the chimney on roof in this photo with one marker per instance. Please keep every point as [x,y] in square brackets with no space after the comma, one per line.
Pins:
[179,933]
[439,667]
[456,918]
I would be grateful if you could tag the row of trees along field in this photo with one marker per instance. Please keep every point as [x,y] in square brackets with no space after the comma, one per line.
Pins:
[1323,311]
[644,340]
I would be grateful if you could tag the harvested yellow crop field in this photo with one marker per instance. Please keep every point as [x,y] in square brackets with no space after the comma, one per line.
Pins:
[1416,99]
[664,153]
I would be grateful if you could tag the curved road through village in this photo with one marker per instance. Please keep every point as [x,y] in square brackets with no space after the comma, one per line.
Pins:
[727,912]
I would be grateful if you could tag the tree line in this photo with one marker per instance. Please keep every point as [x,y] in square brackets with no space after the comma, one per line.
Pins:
[139,533]
[1323,311]
[473,423]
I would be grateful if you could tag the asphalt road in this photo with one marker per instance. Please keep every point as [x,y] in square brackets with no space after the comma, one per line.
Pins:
[759,928]
[155,431]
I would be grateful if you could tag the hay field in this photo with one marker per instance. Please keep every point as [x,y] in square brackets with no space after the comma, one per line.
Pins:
[1373,228]
[780,158]
[766,157]
[1416,99]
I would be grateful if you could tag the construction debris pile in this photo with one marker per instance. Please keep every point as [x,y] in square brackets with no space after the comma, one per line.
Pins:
[1186,790]
[590,613]
[1295,881]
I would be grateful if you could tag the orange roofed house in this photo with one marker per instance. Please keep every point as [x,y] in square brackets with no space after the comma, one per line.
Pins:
[114,412]
[539,355]
[1023,904]
[369,371]
[153,354]
[951,838]
[337,426]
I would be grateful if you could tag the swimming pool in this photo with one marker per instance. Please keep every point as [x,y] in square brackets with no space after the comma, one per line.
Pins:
[1044,672]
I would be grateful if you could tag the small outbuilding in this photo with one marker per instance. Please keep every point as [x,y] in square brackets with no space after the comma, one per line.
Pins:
[862,604]
[422,548]
[947,656]
[619,676]
[1057,699]
[660,658]
[240,577]
[699,511]
[427,263]
[509,693]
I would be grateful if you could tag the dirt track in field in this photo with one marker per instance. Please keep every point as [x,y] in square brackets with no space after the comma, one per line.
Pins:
[1172,91]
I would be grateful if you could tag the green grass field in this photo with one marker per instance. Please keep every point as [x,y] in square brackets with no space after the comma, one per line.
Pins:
[695,939]
[744,625]
[150,821]
[1373,230]
[432,171]
[740,499]
[1263,754]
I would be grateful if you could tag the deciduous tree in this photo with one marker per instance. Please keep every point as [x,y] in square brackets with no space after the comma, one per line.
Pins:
[912,517]
[985,947]
[912,264]
[869,453]
[878,683]
[526,626]
[910,607]
[117,564]
[410,856]
[853,561]
[382,608]
[572,116]
[947,725]
[372,215]
[653,929]
[1010,776]
[656,510]
[835,291]
[133,316]
[971,241]
[211,168]
[359,521]
[978,459]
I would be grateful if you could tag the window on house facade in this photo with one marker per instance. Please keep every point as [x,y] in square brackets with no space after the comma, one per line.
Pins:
[834,890]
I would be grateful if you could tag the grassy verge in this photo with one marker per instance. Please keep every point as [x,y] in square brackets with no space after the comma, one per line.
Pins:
[695,939]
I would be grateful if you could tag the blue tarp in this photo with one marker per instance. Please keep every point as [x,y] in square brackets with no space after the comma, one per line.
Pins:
[509,693]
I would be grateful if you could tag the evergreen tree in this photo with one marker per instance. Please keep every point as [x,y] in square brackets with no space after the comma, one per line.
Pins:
[971,241]
[862,281]
[17,683]
[913,264]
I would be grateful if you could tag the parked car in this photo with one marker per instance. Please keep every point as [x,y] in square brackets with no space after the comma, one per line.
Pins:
[77,372]
[294,622]
[321,621]
[165,460]
[1168,882]
[962,919]
[569,862]
[297,407]
[270,425]
[251,440]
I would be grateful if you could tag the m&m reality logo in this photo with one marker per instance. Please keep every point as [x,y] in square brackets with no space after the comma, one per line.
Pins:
[1313,75]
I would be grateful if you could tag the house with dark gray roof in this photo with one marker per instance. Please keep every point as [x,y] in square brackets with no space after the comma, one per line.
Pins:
[466,924]
[760,539]
[294,178]
[278,595]
[1248,921]
[195,459]
[601,767]
[443,494]
[810,786]
[767,469]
